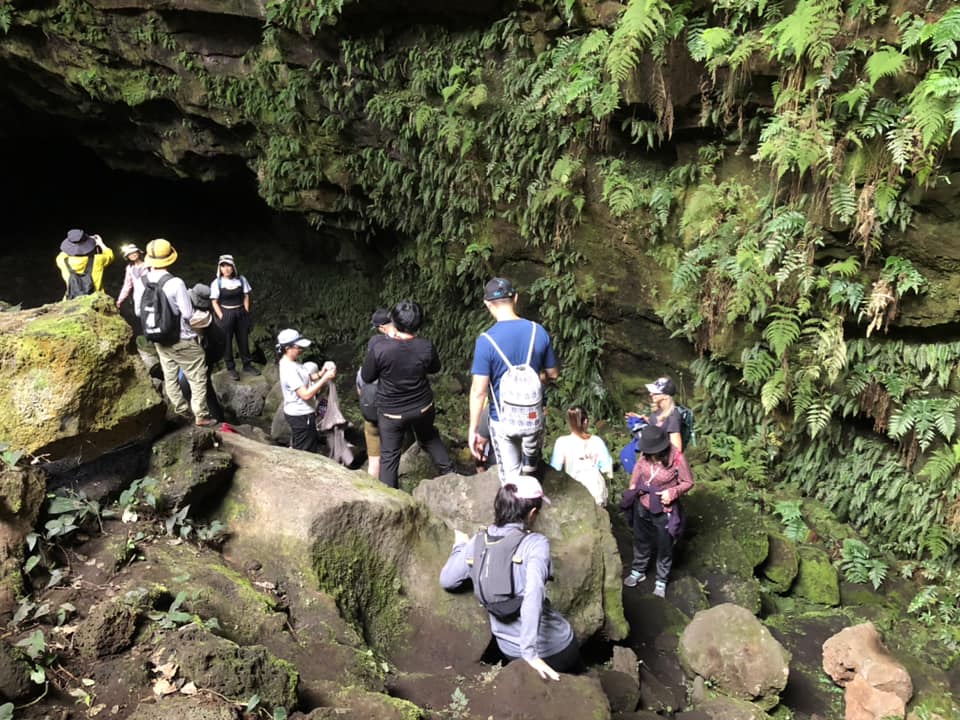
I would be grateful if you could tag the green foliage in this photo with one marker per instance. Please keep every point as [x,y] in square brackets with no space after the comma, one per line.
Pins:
[9,456]
[789,512]
[639,25]
[6,21]
[859,565]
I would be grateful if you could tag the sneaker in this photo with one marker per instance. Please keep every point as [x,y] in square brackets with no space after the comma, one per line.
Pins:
[250,369]
[205,422]
[234,374]
[633,578]
[660,589]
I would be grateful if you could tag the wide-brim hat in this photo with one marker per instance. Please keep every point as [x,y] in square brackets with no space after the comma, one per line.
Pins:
[227,260]
[78,242]
[129,249]
[160,253]
[200,296]
[653,440]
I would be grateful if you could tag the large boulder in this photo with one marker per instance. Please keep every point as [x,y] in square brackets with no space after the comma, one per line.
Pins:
[586,564]
[243,398]
[68,383]
[108,629]
[727,646]
[817,579]
[376,551]
[21,495]
[178,707]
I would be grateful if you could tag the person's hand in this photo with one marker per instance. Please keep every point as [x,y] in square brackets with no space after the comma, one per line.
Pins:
[478,445]
[97,239]
[665,497]
[546,672]
[633,415]
[460,537]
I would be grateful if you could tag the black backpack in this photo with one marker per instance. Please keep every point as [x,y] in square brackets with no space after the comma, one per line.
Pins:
[79,284]
[687,434]
[368,402]
[160,320]
[491,570]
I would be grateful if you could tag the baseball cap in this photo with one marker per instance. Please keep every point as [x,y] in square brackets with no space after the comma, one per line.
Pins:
[292,337]
[662,386]
[528,488]
[498,288]
[381,316]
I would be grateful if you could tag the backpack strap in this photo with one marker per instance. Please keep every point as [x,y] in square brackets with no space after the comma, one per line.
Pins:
[533,339]
[497,348]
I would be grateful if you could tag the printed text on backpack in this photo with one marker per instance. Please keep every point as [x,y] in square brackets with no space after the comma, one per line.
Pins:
[520,406]
[160,320]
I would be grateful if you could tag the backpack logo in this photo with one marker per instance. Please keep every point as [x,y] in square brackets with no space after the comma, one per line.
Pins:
[520,406]
[79,284]
[161,322]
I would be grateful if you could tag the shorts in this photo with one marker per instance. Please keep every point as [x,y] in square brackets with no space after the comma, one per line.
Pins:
[371,433]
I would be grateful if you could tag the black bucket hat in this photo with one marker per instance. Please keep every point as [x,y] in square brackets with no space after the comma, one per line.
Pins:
[653,440]
[78,242]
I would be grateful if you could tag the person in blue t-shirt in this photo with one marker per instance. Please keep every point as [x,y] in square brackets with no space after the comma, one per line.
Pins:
[516,453]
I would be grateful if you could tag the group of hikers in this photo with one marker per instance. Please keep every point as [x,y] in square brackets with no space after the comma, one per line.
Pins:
[508,564]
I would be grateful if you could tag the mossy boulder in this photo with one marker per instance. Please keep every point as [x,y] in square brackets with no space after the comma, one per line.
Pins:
[376,551]
[782,563]
[69,384]
[586,566]
[108,629]
[21,495]
[728,646]
[727,708]
[817,579]
[178,707]
[233,671]
[355,703]
[190,469]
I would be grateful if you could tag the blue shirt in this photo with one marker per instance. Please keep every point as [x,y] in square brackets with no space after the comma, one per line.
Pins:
[513,339]
[540,631]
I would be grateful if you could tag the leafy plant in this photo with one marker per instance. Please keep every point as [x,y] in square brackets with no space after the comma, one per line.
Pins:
[790,514]
[860,565]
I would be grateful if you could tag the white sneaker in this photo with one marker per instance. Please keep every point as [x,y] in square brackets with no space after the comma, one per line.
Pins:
[660,589]
[633,578]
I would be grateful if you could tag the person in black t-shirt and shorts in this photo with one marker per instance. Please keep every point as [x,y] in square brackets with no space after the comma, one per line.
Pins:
[664,410]
[400,363]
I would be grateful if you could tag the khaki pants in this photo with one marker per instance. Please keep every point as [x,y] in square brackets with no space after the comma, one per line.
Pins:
[186,355]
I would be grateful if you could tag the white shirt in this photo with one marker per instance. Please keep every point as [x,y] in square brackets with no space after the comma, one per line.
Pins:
[294,376]
[586,461]
[176,291]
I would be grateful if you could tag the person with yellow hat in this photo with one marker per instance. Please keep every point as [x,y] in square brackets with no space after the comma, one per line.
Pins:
[185,353]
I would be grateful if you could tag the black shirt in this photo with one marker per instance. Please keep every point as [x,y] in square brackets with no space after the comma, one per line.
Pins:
[401,367]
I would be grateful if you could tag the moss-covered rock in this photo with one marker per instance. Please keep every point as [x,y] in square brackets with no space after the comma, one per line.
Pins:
[190,469]
[108,629]
[235,672]
[21,496]
[68,382]
[782,563]
[817,579]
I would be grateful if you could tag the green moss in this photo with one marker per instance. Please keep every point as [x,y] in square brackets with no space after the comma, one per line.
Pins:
[782,563]
[816,577]
[365,588]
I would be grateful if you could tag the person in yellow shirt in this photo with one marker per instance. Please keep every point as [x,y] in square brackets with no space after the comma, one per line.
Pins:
[75,253]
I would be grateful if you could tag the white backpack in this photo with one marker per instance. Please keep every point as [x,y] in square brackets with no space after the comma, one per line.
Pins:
[520,410]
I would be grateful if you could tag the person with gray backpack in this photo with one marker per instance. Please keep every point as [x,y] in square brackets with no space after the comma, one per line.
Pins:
[511,362]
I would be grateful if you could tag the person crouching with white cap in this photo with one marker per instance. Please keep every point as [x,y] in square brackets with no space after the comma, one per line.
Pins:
[230,299]
[300,388]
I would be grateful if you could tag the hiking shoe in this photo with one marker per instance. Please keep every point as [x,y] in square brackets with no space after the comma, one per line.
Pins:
[234,374]
[250,369]
[633,578]
[205,422]
[660,589]
[528,465]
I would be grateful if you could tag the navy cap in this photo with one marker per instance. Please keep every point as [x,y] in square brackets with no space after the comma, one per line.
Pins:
[498,289]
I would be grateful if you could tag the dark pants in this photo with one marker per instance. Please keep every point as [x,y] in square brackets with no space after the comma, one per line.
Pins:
[235,323]
[392,430]
[649,534]
[303,432]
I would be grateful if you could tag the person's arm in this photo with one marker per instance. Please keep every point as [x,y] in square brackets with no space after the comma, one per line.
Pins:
[246,294]
[676,439]
[181,298]
[635,475]
[370,372]
[434,366]
[215,298]
[536,568]
[306,392]
[456,571]
[105,256]
[684,480]
[63,268]
[127,286]
[246,302]
[478,395]
[557,457]
[604,460]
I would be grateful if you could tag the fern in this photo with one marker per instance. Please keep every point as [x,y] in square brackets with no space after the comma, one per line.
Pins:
[859,565]
[783,331]
[639,24]
[885,62]
[790,514]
